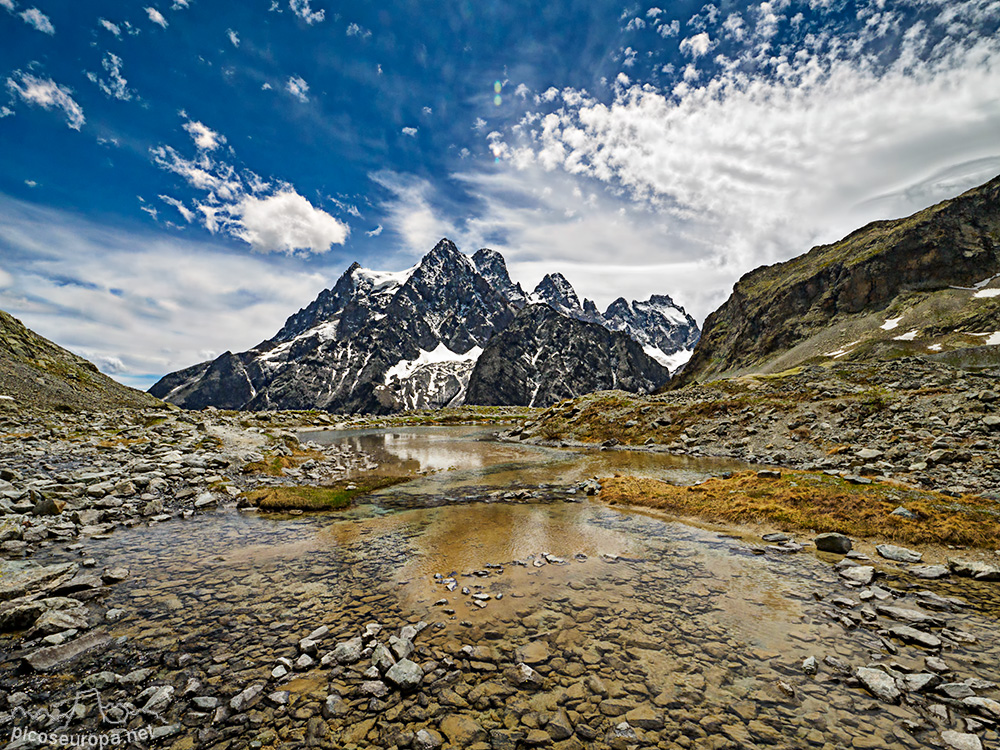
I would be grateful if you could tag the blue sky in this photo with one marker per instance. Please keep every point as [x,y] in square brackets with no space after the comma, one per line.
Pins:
[178,177]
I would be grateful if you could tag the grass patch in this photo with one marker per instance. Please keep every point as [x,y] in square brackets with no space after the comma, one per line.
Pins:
[819,502]
[332,497]
[274,466]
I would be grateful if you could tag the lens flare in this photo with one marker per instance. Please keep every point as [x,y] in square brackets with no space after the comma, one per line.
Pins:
[497,87]
[497,100]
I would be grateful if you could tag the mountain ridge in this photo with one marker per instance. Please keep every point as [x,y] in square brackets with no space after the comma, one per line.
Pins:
[923,274]
[373,341]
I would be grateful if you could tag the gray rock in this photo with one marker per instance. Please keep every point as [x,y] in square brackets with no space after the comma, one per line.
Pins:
[879,684]
[918,637]
[906,513]
[859,574]
[837,543]
[522,675]
[205,702]
[249,698]
[334,706]
[382,658]
[47,659]
[157,698]
[348,652]
[374,688]
[809,665]
[427,739]
[983,706]
[974,569]
[929,572]
[401,647]
[916,683]
[956,690]
[405,675]
[960,740]
[898,554]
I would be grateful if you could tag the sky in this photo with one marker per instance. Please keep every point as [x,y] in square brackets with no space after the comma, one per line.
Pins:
[179,176]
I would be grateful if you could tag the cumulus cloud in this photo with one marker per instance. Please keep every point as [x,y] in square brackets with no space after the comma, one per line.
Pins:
[270,217]
[8,4]
[203,136]
[156,17]
[286,222]
[137,303]
[696,45]
[115,84]
[181,5]
[374,232]
[298,88]
[35,18]
[302,10]
[112,27]
[412,132]
[47,94]
[771,150]
[234,38]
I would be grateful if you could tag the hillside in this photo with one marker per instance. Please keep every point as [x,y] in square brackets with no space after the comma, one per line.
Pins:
[36,373]
[925,285]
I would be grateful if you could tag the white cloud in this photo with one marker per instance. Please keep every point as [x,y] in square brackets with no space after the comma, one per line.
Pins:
[181,5]
[113,28]
[37,19]
[183,210]
[653,12]
[286,222]
[8,4]
[782,149]
[374,232]
[358,31]
[115,85]
[141,299]
[412,132]
[671,29]
[156,17]
[522,91]
[31,183]
[47,94]
[268,217]
[302,10]
[409,213]
[543,222]
[265,86]
[203,136]
[696,45]
[427,111]
[298,88]
[233,37]
[6,112]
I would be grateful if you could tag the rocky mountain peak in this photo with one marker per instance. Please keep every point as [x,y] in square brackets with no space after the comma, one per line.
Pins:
[491,266]
[556,291]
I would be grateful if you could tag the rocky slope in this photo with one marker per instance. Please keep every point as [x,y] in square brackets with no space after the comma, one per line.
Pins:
[545,356]
[382,342]
[922,285]
[36,373]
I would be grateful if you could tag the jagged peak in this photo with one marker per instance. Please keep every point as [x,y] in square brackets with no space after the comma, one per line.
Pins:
[556,287]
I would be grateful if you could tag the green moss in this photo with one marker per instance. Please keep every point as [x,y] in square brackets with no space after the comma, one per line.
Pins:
[333,497]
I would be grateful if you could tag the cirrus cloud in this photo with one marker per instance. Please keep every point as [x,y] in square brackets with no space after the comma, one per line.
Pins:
[47,94]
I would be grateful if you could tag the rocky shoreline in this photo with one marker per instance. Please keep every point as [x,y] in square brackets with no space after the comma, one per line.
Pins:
[557,649]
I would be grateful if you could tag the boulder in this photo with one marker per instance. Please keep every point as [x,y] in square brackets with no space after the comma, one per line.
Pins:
[831,542]
[898,554]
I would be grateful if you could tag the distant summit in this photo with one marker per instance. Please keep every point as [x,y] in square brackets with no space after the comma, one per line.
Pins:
[385,341]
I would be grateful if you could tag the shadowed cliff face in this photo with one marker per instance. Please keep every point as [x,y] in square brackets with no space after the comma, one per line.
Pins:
[545,356]
[773,308]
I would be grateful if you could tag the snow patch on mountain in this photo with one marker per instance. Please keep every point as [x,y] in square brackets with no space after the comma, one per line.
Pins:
[406,367]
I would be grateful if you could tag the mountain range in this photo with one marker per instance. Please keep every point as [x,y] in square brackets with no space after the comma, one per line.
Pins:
[388,341]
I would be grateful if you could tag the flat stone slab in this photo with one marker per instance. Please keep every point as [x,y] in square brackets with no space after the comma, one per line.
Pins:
[47,659]
[898,554]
